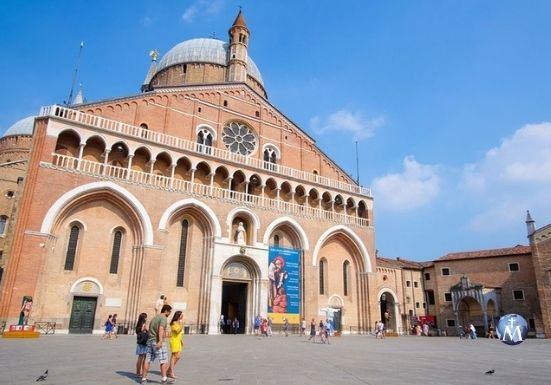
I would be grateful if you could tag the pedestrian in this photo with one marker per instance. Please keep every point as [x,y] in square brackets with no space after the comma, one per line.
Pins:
[321,331]
[141,343]
[176,341]
[228,325]
[257,322]
[312,330]
[235,325]
[269,331]
[491,332]
[159,304]
[108,328]
[426,329]
[328,328]
[114,322]
[303,327]
[156,346]
[222,324]
[286,327]
[473,331]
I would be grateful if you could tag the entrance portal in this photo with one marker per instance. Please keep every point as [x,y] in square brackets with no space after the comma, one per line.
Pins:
[234,304]
[82,315]
[387,311]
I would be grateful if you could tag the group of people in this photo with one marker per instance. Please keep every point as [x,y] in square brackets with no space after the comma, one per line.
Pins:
[229,326]
[419,330]
[380,329]
[263,326]
[151,342]
[324,329]
[467,332]
[110,327]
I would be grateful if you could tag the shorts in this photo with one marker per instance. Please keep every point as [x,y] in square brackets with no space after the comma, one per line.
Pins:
[153,353]
[141,349]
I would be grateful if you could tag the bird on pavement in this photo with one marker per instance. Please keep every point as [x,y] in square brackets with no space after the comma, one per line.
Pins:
[43,376]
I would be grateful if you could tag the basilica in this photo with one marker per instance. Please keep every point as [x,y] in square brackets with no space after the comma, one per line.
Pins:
[197,188]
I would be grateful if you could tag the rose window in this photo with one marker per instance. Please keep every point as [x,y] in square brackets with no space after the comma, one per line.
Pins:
[239,138]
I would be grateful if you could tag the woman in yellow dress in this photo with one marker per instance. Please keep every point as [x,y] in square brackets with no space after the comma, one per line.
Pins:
[176,341]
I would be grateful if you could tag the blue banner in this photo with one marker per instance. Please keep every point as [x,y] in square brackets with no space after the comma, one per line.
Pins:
[284,284]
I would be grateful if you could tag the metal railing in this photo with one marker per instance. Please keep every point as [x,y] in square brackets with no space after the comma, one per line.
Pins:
[87,167]
[189,146]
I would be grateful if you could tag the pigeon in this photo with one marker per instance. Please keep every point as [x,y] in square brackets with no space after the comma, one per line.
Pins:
[43,377]
[491,371]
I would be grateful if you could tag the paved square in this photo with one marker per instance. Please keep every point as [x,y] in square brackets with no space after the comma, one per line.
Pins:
[244,360]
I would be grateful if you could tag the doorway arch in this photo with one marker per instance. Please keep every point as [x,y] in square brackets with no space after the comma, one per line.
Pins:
[470,311]
[240,280]
[389,313]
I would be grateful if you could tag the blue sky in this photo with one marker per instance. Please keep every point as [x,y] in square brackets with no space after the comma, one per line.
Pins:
[450,101]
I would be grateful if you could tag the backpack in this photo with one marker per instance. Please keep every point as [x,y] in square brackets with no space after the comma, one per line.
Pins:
[141,338]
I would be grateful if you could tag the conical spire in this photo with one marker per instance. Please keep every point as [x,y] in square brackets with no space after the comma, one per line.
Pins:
[240,20]
[79,99]
[530,224]
[153,54]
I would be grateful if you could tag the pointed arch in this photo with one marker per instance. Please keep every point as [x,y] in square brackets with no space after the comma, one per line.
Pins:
[119,191]
[349,233]
[293,224]
[170,211]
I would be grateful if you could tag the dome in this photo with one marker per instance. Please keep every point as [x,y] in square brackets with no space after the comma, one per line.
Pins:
[203,51]
[22,127]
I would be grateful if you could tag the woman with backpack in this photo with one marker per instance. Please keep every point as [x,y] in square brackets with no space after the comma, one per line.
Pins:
[141,343]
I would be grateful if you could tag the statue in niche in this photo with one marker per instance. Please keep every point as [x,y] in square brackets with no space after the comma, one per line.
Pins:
[241,234]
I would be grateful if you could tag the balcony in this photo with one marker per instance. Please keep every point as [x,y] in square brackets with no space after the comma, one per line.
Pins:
[98,122]
[124,175]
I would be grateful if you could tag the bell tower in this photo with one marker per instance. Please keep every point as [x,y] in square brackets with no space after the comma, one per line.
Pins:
[237,55]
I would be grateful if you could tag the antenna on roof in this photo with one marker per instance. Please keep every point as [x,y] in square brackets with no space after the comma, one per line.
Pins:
[70,98]
[357,165]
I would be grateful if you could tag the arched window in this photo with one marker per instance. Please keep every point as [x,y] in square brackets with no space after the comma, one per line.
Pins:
[116,252]
[72,248]
[345,274]
[270,159]
[182,254]
[276,240]
[204,141]
[323,275]
[3,224]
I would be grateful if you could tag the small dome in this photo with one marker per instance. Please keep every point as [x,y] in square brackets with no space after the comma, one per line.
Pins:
[22,127]
[203,51]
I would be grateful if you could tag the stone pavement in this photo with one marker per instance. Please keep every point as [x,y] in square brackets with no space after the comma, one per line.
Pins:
[248,360]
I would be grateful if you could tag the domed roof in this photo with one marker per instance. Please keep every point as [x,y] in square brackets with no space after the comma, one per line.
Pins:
[21,127]
[205,51]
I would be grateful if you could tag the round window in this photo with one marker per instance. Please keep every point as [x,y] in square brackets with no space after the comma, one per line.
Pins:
[239,138]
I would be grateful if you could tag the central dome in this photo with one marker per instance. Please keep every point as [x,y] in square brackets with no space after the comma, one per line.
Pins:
[203,51]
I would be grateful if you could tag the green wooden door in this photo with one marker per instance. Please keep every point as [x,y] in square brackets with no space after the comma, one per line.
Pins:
[82,315]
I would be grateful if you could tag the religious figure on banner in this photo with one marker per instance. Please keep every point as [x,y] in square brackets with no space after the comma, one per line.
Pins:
[277,276]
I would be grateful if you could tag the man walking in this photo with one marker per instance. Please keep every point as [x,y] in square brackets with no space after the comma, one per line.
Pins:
[156,347]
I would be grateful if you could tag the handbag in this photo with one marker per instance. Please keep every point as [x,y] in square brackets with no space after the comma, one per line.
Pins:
[141,337]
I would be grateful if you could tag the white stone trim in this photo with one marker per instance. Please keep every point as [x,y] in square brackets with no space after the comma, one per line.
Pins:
[78,281]
[169,212]
[351,234]
[58,205]
[294,224]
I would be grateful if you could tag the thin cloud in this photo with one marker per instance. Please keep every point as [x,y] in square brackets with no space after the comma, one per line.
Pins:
[205,7]
[189,14]
[511,178]
[345,121]
[417,186]
[146,21]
